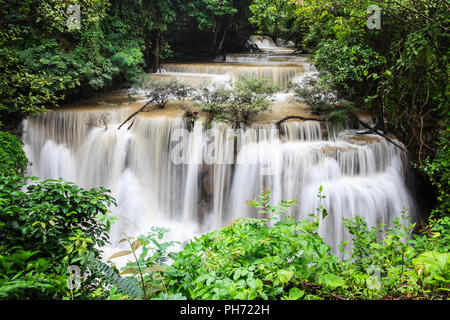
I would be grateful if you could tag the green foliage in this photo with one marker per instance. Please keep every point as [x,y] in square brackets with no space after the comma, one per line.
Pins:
[42,60]
[59,222]
[347,66]
[129,61]
[319,96]
[147,269]
[275,257]
[438,170]
[24,276]
[238,105]
[13,158]
[273,17]
[280,258]
[22,92]
[251,260]
[399,71]
[395,264]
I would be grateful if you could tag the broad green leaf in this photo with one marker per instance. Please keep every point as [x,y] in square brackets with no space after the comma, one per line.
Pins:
[333,281]
[295,293]
[285,275]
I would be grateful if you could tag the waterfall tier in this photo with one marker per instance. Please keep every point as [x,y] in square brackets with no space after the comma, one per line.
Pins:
[207,184]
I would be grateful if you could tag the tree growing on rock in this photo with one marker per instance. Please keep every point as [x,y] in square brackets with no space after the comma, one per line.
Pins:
[158,93]
[237,105]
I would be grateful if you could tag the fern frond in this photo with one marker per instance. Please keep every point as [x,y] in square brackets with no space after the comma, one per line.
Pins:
[125,285]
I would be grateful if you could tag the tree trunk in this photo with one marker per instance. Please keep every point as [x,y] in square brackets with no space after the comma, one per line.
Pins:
[148,55]
[216,35]
[156,51]
[222,41]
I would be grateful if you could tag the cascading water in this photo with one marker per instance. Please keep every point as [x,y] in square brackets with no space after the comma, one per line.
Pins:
[194,181]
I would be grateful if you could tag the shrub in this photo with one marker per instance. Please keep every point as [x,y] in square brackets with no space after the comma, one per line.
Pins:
[237,105]
[250,259]
[13,159]
[321,99]
[56,223]
[281,258]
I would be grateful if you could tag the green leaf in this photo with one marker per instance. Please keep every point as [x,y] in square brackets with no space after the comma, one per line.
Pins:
[284,276]
[333,281]
[295,293]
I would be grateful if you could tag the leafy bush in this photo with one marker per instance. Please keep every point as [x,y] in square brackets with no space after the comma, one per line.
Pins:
[321,98]
[144,275]
[13,159]
[347,66]
[281,258]
[161,91]
[237,105]
[251,259]
[438,171]
[212,100]
[396,259]
[56,223]
[23,276]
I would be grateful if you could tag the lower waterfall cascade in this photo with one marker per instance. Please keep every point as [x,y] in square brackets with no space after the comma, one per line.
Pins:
[360,174]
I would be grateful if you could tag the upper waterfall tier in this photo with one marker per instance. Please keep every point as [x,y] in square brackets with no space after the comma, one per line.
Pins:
[267,44]
[282,74]
[274,63]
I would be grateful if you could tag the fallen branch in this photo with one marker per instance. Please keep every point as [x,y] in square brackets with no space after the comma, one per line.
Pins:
[278,123]
[337,297]
[136,113]
[376,131]
[378,126]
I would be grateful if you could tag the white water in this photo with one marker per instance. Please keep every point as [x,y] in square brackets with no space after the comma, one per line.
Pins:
[276,64]
[360,175]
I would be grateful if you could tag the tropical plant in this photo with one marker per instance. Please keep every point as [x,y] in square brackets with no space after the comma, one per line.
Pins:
[13,158]
[55,223]
[239,104]
[146,271]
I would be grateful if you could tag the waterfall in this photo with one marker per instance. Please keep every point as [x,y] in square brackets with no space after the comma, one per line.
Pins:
[196,73]
[204,189]
[194,181]
[263,42]
[278,67]
[266,44]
